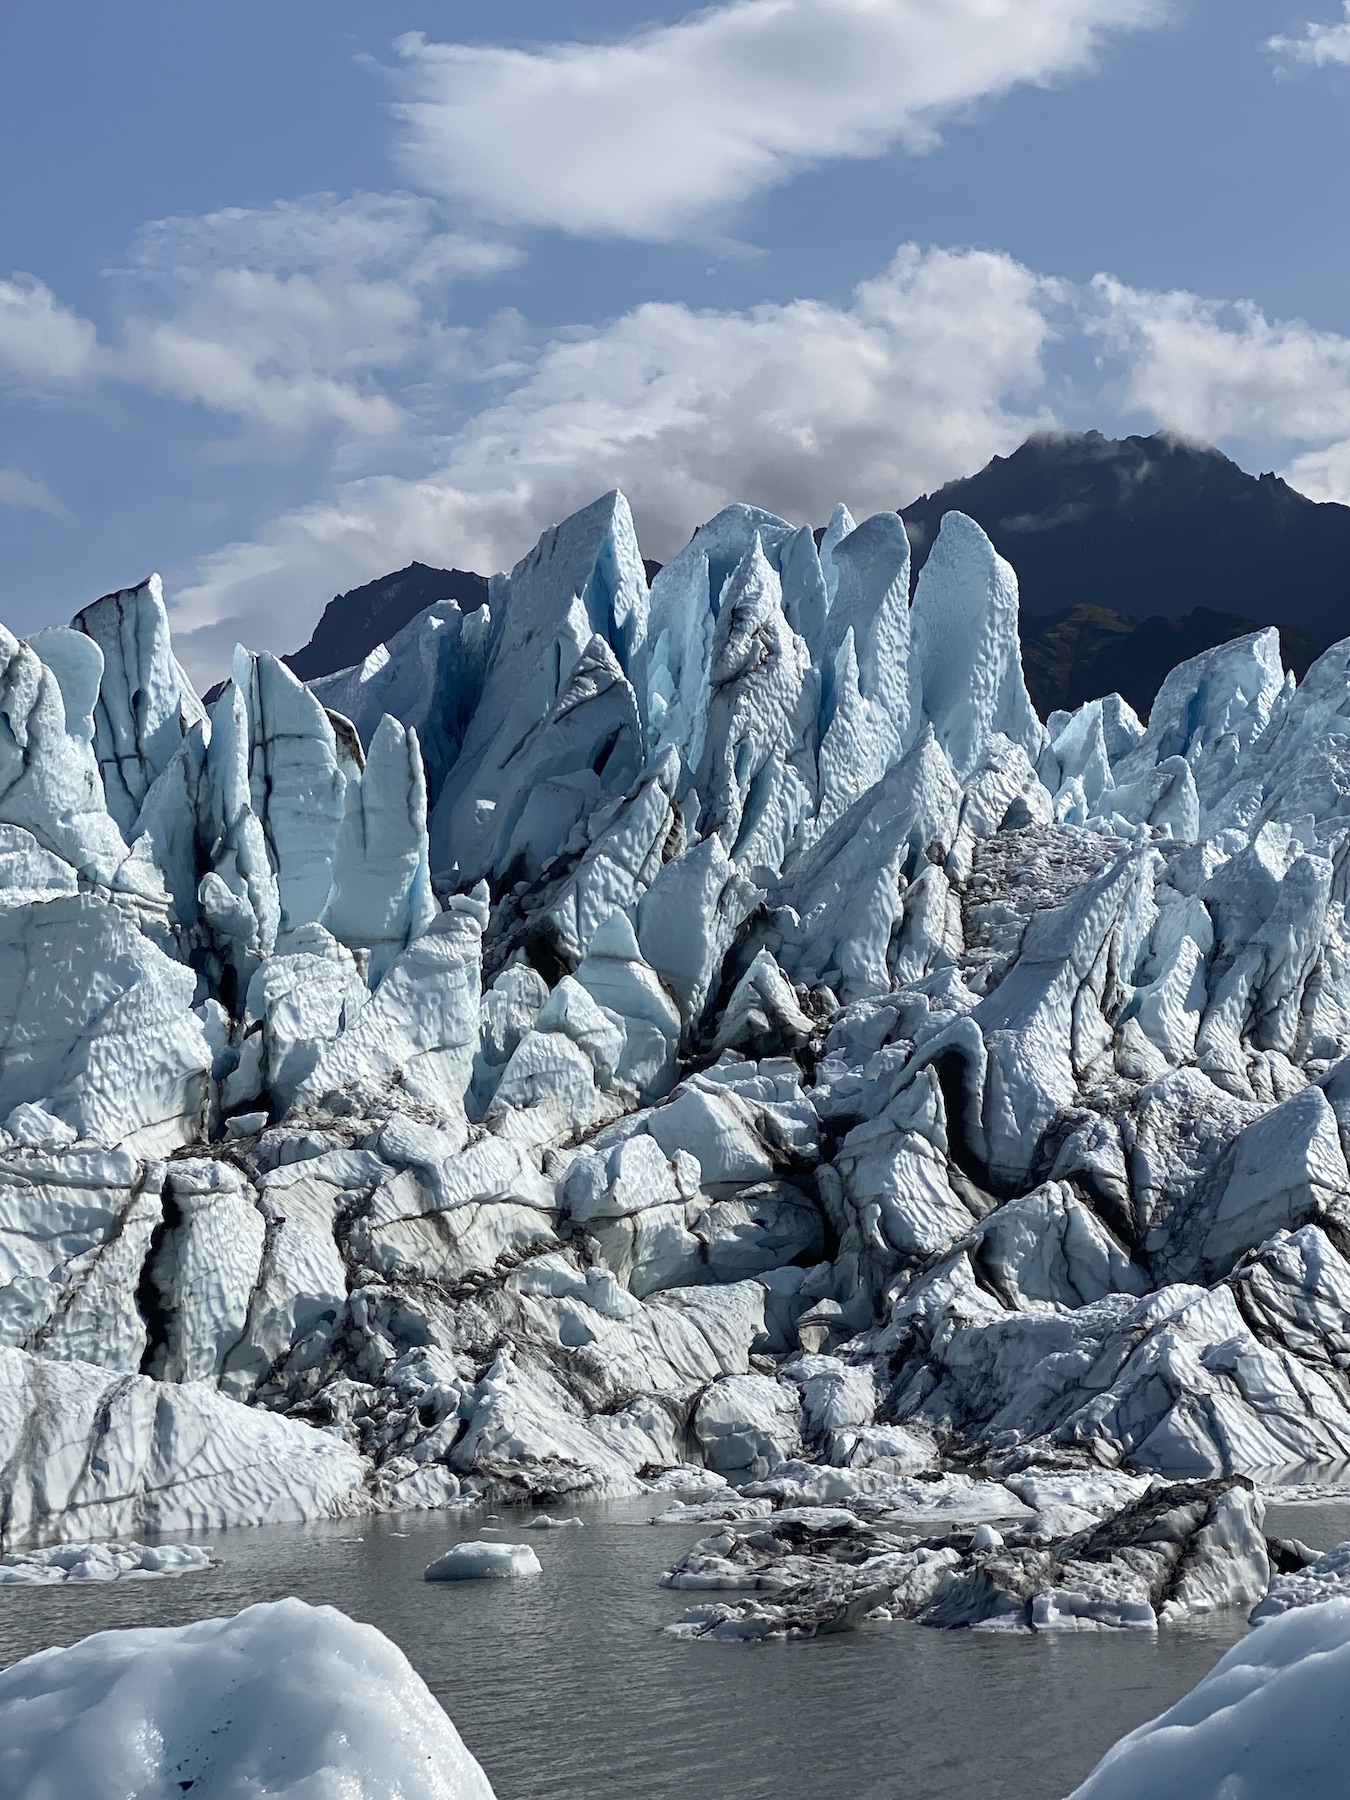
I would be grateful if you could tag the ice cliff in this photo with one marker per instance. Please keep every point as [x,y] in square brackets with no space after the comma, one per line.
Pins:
[620,1027]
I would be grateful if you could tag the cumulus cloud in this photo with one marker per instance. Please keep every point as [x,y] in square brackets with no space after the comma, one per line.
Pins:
[1317,46]
[649,136]
[23,494]
[1215,369]
[933,367]
[42,343]
[943,360]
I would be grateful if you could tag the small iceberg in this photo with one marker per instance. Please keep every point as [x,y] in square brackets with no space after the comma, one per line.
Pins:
[479,1562]
[101,1562]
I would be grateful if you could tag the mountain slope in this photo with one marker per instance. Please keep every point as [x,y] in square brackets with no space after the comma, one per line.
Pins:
[1153,525]
[355,622]
[1084,652]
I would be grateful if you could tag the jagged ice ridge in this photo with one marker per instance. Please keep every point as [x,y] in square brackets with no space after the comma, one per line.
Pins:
[620,1029]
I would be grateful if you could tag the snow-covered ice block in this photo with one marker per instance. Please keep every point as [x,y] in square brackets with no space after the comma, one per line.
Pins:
[295,1701]
[485,1561]
[1267,1723]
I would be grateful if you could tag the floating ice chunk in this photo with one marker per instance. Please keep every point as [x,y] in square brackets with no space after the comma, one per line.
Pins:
[687,1478]
[285,1699]
[1326,1578]
[547,1523]
[478,1562]
[101,1562]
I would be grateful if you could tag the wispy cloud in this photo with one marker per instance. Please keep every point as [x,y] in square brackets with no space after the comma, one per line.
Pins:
[1218,369]
[1223,371]
[42,343]
[1317,46]
[652,136]
[23,494]
[295,317]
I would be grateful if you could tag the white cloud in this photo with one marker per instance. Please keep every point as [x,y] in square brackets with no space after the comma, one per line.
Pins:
[944,360]
[1215,369]
[293,316]
[42,343]
[1319,44]
[925,375]
[649,136]
[298,316]
[23,494]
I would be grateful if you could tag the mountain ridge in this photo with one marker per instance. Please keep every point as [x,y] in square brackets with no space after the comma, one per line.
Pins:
[1152,526]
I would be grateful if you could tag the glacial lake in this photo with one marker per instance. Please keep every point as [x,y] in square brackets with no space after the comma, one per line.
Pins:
[565,1687]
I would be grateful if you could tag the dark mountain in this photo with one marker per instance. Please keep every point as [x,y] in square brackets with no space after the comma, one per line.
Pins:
[1154,526]
[354,623]
[1084,651]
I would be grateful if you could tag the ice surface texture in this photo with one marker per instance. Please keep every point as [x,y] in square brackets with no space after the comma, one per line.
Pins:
[1268,1723]
[284,1699]
[711,1027]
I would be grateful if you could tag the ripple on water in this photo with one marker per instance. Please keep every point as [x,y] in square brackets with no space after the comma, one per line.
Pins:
[566,1688]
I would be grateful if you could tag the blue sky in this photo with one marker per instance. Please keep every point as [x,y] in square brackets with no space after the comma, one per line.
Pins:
[292,293]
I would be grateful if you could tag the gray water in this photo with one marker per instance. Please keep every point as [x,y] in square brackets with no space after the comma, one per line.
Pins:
[565,1687]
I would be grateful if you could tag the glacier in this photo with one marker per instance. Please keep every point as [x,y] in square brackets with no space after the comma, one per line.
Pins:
[708,1030]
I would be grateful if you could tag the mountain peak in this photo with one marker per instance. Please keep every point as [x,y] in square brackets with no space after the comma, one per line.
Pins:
[1153,526]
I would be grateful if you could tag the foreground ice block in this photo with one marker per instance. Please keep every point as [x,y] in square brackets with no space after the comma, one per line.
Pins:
[1268,1723]
[296,1702]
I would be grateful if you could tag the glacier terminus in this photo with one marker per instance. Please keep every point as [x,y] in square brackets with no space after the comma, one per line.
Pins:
[706,1038]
